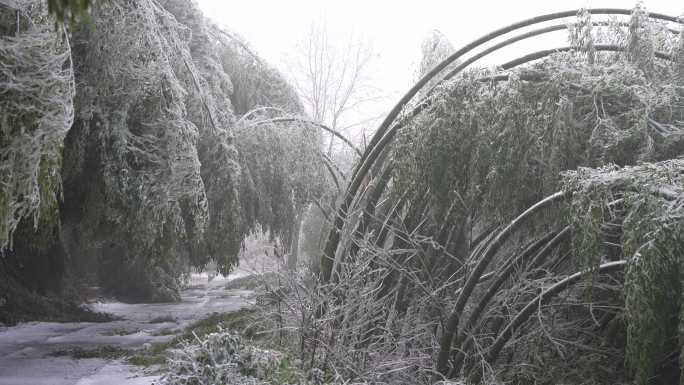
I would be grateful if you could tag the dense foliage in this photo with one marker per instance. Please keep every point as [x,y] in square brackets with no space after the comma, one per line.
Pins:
[646,203]
[68,8]
[516,198]
[524,226]
[120,161]
[220,358]
[38,85]
[282,174]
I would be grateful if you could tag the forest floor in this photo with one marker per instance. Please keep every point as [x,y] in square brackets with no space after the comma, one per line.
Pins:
[86,353]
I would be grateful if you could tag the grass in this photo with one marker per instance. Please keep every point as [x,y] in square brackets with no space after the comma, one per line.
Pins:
[119,332]
[113,352]
[147,360]
[166,332]
[162,319]
[286,373]
[244,321]
[241,320]
[252,282]
[106,351]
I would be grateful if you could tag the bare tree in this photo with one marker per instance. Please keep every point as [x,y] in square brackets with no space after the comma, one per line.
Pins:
[331,76]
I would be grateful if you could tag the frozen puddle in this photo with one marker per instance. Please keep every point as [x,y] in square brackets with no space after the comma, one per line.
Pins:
[25,349]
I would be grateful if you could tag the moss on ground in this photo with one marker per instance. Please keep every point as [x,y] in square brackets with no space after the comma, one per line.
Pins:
[240,321]
[147,360]
[106,351]
[119,332]
[252,282]
[162,319]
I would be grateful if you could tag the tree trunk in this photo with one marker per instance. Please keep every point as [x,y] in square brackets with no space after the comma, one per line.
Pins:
[294,247]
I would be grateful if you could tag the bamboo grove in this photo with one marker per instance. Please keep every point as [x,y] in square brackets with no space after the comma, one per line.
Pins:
[129,149]
[521,224]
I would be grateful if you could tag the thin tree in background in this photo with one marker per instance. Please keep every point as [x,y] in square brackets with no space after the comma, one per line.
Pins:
[331,76]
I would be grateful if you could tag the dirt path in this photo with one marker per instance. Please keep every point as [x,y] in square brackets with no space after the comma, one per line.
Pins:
[26,350]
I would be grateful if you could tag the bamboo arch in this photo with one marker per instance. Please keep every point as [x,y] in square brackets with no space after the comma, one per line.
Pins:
[385,133]
[373,164]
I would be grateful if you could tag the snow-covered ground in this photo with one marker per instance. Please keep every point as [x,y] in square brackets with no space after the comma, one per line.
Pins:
[25,349]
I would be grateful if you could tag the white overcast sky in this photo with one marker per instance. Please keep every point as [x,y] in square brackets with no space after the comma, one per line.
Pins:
[396,28]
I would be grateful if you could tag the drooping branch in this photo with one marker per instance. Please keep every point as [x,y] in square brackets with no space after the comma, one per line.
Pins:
[515,263]
[534,304]
[331,170]
[538,259]
[453,321]
[307,121]
[388,128]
